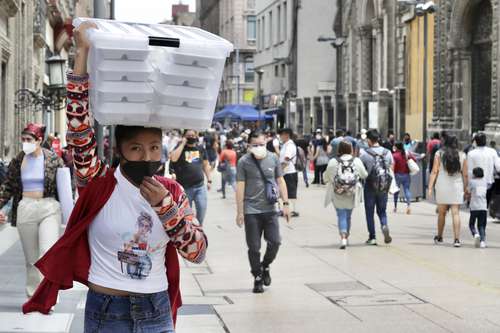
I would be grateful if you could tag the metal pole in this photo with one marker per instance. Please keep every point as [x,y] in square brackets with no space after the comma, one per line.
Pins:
[99,12]
[424,108]
[237,73]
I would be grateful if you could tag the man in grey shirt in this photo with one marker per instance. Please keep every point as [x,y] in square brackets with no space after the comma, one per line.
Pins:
[374,198]
[255,211]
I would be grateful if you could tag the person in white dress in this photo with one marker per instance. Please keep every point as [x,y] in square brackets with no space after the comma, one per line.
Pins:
[449,180]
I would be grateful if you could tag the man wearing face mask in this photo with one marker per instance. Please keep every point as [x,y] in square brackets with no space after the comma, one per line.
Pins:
[256,210]
[31,182]
[190,164]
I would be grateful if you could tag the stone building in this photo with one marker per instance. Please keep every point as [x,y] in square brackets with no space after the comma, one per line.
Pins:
[372,63]
[208,15]
[30,32]
[467,69]
[238,25]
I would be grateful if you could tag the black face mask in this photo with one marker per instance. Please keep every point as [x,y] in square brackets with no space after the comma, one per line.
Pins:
[137,170]
[191,141]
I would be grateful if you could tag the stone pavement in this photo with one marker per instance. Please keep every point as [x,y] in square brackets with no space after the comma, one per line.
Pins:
[410,286]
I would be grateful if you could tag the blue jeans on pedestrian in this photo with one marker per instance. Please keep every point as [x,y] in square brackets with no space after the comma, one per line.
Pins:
[148,313]
[403,180]
[198,195]
[374,200]
[228,178]
[344,221]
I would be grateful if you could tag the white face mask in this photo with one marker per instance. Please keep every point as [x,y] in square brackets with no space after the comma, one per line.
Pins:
[259,152]
[29,147]
[318,136]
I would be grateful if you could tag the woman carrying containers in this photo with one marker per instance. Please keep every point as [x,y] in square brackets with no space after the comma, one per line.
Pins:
[31,183]
[126,228]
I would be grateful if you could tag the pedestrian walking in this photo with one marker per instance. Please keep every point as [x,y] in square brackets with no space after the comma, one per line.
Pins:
[259,177]
[478,205]
[333,147]
[449,179]
[31,183]
[321,160]
[302,144]
[190,163]
[126,229]
[485,158]
[288,158]
[343,176]
[227,167]
[378,163]
[402,175]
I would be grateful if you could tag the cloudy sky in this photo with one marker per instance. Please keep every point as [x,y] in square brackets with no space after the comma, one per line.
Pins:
[148,11]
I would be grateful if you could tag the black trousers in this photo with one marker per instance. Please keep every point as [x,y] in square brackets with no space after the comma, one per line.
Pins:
[255,226]
[481,217]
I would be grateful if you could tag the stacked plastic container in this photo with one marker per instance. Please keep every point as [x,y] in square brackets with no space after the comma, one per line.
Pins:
[154,74]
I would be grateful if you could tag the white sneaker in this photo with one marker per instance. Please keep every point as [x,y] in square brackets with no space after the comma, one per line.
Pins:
[483,245]
[477,240]
[343,244]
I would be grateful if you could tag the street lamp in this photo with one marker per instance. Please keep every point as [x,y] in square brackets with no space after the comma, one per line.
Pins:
[336,43]
[57,69]
[423,8]
[259,72]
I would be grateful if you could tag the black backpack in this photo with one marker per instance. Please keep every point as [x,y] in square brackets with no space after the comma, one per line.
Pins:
[434,150]
[380,176]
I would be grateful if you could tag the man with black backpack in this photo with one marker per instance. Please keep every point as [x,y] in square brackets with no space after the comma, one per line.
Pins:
[378,162]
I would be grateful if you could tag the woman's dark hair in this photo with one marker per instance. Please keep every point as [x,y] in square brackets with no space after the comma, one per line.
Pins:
[478,172]
[127,133]
[450,155]
[323,143]
[399,146]
[345,148]
[229,144]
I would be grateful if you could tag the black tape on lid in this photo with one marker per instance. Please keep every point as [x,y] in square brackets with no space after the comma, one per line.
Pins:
[164,41]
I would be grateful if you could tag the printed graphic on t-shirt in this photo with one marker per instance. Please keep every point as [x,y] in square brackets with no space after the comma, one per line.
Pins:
[136,253]
[192,156]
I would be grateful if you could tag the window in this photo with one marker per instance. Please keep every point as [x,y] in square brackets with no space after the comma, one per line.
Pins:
[251,28]
[285,18]
[270,42]
[278,25]
[283,70]
[276,71]
[249,70]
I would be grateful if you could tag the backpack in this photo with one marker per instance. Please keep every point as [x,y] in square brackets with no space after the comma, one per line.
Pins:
[347,177]
[300,161]
[380,177]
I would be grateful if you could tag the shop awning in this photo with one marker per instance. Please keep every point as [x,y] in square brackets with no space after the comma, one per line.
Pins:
[242,112]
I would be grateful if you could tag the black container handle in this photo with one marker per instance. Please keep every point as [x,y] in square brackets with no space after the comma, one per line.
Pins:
[164,41]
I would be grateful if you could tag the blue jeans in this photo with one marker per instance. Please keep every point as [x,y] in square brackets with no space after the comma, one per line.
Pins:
[149,313]
[403,180]
[344,221]
[229,178]
[198,194]
[375,200]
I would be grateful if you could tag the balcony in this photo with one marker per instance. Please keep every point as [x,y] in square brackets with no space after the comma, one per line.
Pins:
[39,23]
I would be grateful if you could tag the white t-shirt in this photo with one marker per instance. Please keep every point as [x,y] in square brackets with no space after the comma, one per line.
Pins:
[288,156]
[485,158]
[127,243]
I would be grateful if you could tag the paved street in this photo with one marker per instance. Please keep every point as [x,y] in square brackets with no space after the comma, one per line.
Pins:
[410,286]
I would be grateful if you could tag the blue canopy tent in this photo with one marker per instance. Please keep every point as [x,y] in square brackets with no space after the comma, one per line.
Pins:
[241,112]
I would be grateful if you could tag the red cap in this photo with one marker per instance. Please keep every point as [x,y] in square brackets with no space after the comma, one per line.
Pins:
[36,130]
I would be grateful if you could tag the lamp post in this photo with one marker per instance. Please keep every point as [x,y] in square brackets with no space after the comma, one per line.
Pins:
[423,8]
[336,43]
[259,72]
[237,77]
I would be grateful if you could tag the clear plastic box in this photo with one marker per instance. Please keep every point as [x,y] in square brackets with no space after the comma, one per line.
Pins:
[154,74]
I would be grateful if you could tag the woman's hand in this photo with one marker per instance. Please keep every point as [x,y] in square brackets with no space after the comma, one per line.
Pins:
[80,35]
[153,191]
[82,47]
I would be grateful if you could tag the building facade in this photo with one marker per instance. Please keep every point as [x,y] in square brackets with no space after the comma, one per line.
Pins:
[297,72]
[466,67]
[31,32]
[238,25]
